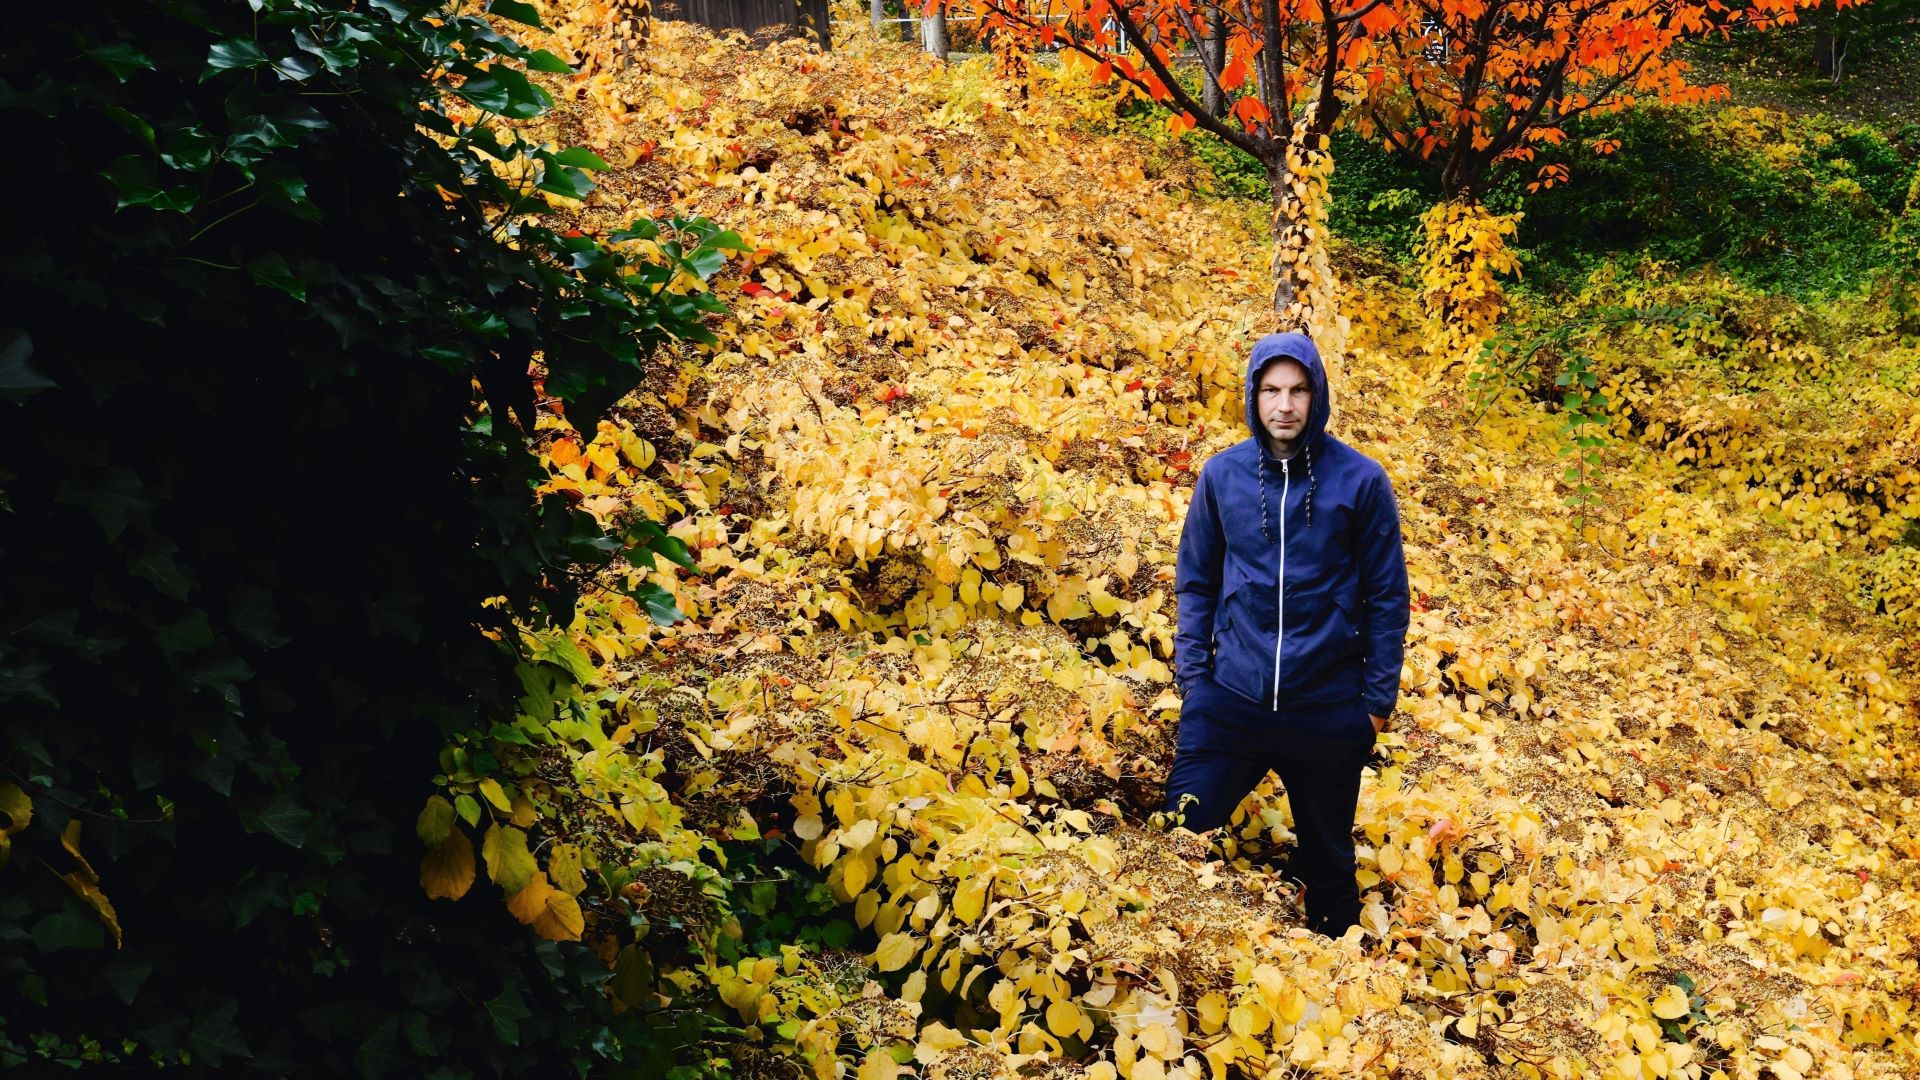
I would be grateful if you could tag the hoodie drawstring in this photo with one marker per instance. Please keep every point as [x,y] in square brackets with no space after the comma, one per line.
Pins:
[1266,529]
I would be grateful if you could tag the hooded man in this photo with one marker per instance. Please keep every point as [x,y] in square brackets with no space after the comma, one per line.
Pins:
[1292,591]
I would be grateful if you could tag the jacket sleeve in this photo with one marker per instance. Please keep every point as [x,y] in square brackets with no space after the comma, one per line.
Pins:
[1383,593]
[1196,586]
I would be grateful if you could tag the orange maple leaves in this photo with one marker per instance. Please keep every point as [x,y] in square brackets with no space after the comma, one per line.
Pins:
[1465,83]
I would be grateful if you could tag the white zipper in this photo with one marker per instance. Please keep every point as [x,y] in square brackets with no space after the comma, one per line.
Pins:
[1280,631]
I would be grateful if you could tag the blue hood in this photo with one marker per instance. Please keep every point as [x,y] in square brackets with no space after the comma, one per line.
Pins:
[1288,346]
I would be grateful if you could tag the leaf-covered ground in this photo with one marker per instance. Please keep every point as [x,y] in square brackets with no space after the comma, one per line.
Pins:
[1648,807]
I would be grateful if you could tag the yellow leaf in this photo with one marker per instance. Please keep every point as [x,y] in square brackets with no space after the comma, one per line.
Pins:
[509,864]
[1063,1017]
[970,898]
[879,1065]
[1213,1011]
[527,904]
[85,883]
[496,795]
[1247,1020]
[936,1039]
[565,865]
[435,821]
[447,871]
[1389,861]
[1671,1004]
[856,871]
[87,888]
[17,807]
[551,913]
[17,810]
[1307,1048]
[895,951]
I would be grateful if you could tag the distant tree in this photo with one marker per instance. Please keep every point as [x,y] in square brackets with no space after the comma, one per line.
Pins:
[1840,31]
[1477,83]
[1275,76]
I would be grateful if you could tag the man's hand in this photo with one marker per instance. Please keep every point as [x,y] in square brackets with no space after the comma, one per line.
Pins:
[1379,723]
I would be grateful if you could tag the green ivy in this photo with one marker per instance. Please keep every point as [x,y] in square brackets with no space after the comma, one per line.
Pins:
[269,326]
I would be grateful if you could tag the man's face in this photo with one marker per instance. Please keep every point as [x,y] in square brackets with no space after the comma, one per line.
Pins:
[1285,396]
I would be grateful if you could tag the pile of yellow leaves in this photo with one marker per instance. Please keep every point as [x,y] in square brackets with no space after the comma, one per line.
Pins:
[1645,811]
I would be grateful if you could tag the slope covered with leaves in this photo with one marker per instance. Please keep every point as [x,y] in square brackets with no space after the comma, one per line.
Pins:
[1645,811]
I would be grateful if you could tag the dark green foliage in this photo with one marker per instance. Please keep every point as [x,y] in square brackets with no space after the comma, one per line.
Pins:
[1376,198]
[249,514]
[1801,207]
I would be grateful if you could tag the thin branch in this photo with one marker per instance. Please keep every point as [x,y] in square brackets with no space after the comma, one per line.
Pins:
[1259,148]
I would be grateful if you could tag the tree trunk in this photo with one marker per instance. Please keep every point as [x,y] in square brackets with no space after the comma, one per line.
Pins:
[1823,58]
[1303,282]
[632,26]
[933,32]
[1010,60]
[1214,46]
[877,11]
[815,22]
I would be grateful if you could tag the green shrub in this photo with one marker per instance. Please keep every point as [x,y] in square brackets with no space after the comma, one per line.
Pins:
[1800,206]
[267,333]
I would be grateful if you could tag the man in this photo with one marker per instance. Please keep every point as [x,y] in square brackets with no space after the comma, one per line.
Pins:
[1292,591]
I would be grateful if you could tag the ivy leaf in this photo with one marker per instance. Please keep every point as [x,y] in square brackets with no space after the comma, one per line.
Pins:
[295,67]
[126,975]
[121,58]
[272,271]
[234,54]
[517,11]
[216,1037]
[287,189]
[281,818]
[138,186]
[68,928]
[581,158]
[18,379]
[506,1011]
[505,91]
[658,603]
[567,183]
[135,125]
[189,149]
[542,60]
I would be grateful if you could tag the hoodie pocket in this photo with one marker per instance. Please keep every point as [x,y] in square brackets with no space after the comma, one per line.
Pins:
[1238,662]
[1223,613]
[1346,620]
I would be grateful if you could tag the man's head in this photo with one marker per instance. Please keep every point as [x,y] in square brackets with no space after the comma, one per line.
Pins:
[1283,399]
[1287,400]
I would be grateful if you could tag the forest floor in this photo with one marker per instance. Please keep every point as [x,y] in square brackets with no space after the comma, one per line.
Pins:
[1877,84]
[1648,805]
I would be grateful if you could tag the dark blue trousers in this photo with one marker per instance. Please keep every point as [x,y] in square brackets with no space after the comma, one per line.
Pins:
[1229,743]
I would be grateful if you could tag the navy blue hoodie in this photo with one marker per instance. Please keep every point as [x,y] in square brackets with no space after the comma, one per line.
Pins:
[1291,580]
